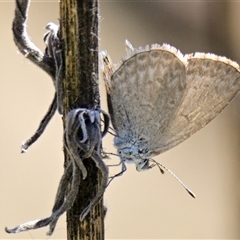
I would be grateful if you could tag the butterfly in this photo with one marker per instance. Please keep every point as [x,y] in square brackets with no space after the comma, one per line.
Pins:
[157,97]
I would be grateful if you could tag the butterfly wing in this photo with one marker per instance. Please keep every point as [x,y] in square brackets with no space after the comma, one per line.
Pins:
[145,91]
[162,97]
[212,82]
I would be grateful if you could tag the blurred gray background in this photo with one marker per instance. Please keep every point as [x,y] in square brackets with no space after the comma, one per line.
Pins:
[144,205]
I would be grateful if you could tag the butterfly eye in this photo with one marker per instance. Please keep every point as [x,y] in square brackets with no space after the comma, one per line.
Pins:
[143,151]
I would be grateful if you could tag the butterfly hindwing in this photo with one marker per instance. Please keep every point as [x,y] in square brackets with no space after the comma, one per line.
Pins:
[212,82]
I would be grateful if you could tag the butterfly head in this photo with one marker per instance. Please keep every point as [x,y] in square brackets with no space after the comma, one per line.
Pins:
[129,155]
[133,152]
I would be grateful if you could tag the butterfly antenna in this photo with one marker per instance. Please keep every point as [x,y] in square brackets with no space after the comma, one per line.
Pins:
[165,168]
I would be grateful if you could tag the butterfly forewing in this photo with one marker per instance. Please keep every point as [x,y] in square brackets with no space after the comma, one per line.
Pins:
[147,87]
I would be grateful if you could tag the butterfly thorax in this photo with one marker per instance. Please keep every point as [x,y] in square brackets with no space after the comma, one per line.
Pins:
[133,151]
